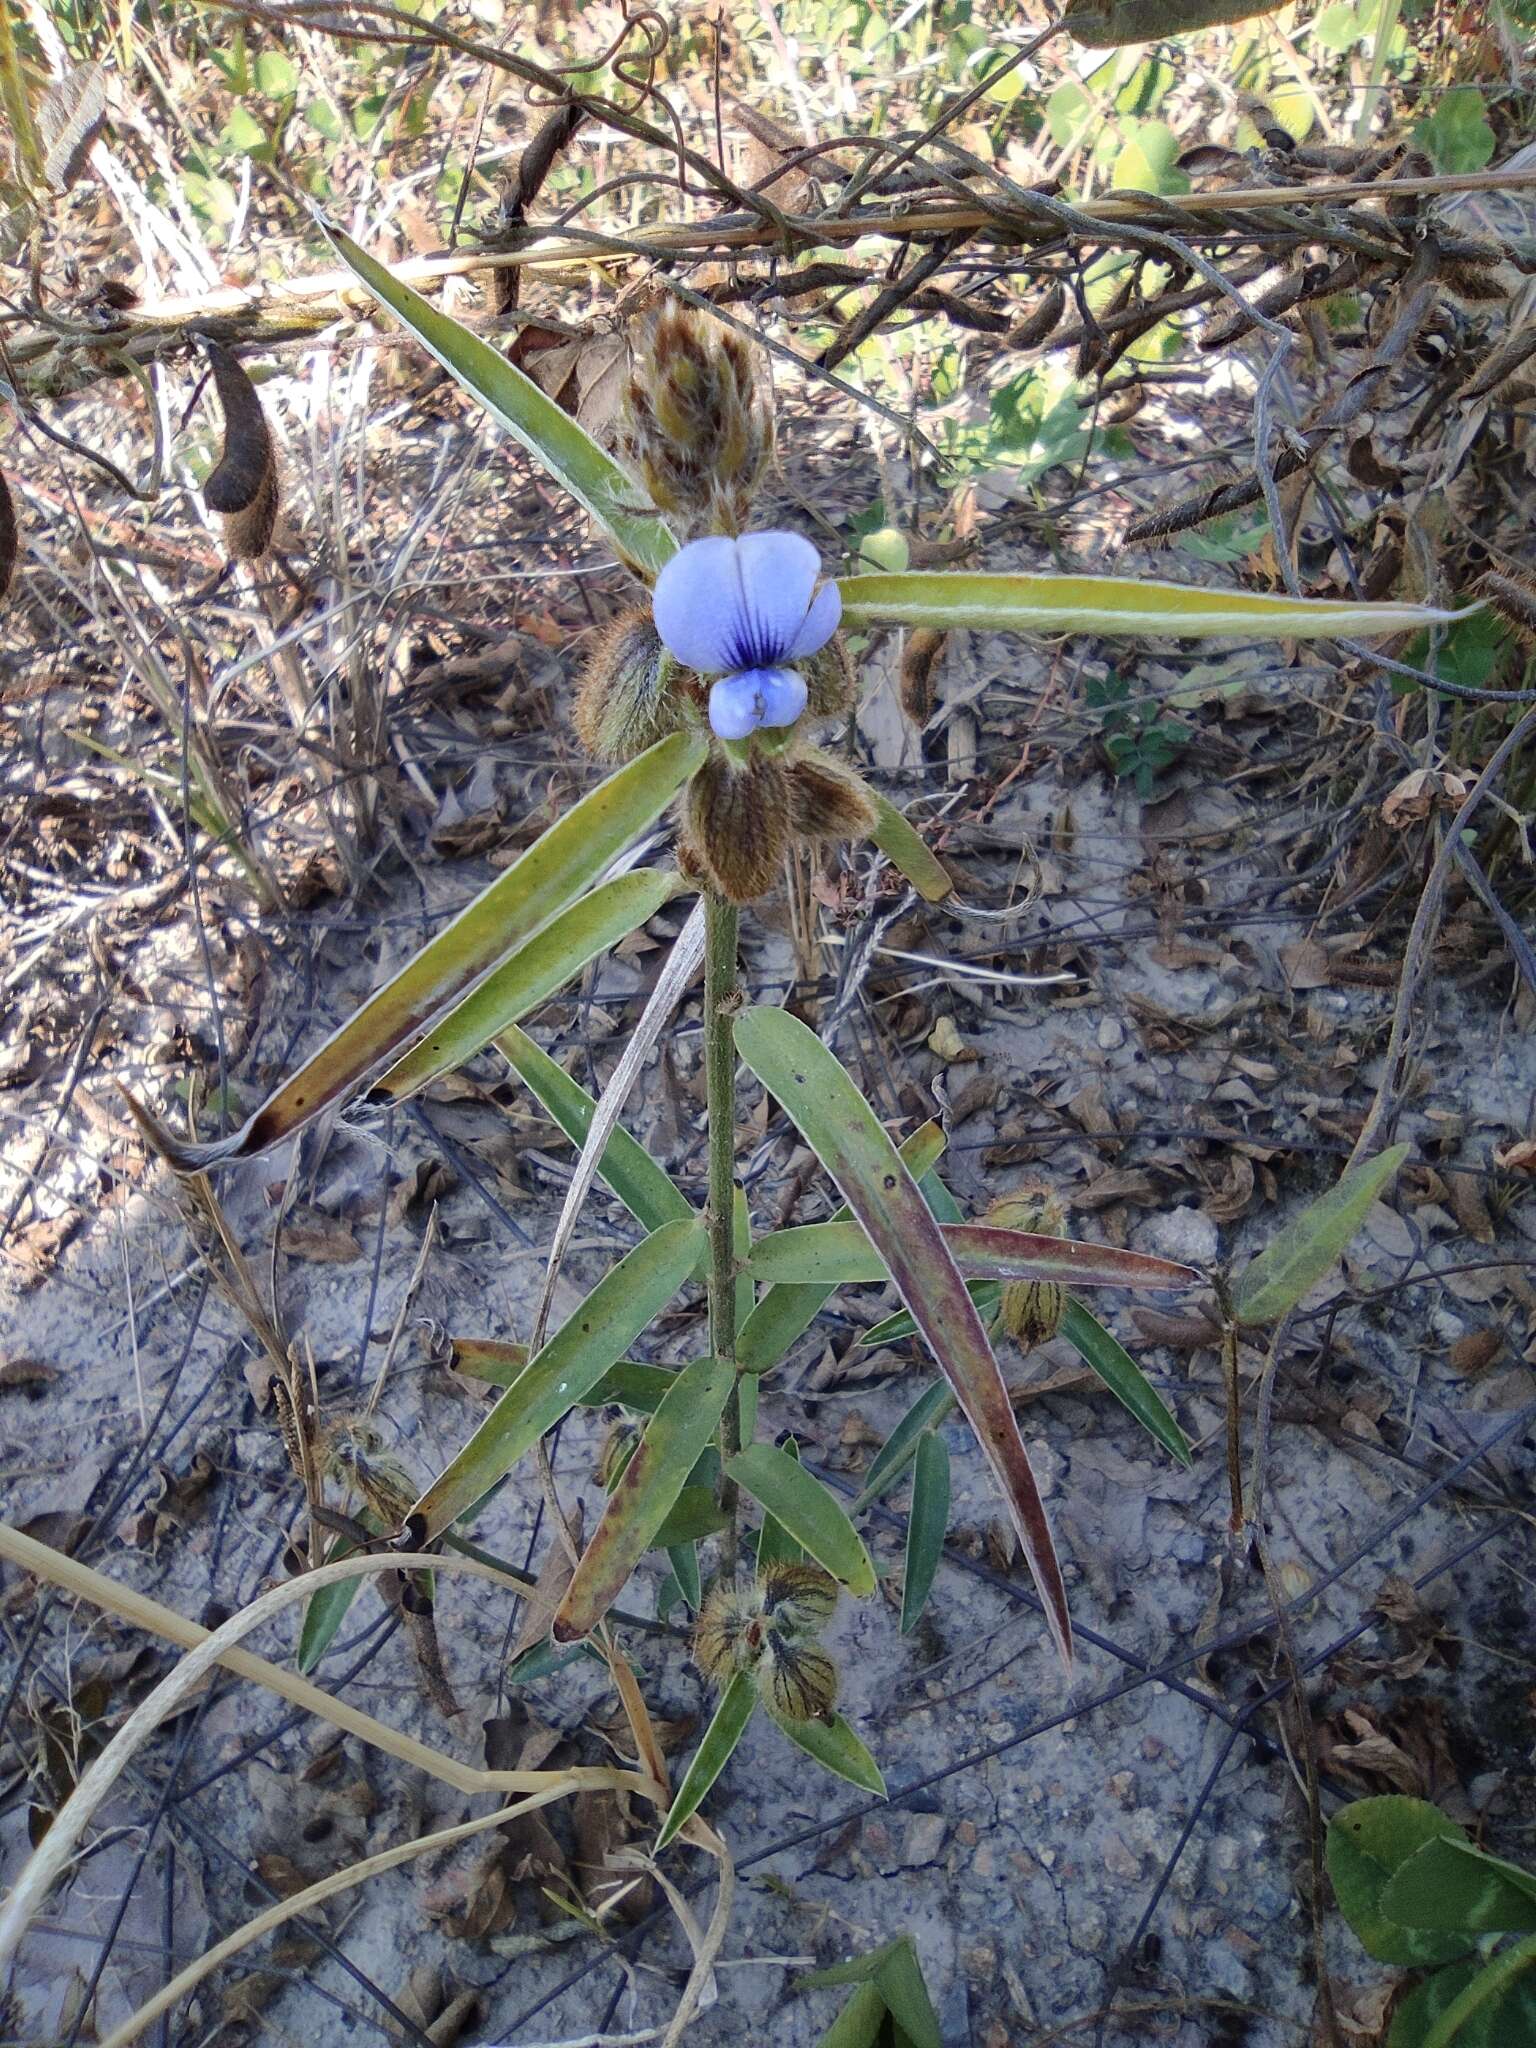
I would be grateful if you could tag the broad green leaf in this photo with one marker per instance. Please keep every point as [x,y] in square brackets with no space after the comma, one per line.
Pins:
[841,1254]
[694,1515]
[569,453]
[541,1660]
[833,1117]
[1368,1842]
[628,1384]
[927,1526]
[860,2023]
[775,1545]
[639,1505]
[547,961]
[1114,604]
[899,1980]
[786,1312]
[651,1196]
[836,1748]
[1108,1357]
[1107,24]
[560,863]
[1457,136]
[726,1728]
[1455,1887]
[905,848]
[1298,1256]
[582,1350]
[798,1500]
[1506,2019]
[930,1408]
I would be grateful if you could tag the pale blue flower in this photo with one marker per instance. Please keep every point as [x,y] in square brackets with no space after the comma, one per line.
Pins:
[744,610]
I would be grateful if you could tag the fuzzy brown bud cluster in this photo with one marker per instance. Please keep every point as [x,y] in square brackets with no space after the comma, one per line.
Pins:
[632,693]
[1032,1309]
[698,429]
[741,817]
[767,1626]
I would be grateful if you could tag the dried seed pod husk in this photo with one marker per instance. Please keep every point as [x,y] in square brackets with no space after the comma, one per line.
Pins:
[919,659]
[243,488]
[1032,1309]
[1512,597]
[628,696]
[737,820]
[797,1680]
[728,1634]
[1040,324]
[830,683]
[798,1599]
[827,800]
[10,545]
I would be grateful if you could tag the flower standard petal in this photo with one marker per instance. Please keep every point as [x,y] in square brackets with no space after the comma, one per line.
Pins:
[739,704]
[819,624]
[777,573]
[697,605]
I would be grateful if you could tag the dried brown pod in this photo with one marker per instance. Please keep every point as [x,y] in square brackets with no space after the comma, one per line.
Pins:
[919,659]
[827,800]
[738,822]
[1032,1309]
[69,118]
[1041,324]
[628,694]
[1512,597]
[243,488]
[9,543]
[797,1680]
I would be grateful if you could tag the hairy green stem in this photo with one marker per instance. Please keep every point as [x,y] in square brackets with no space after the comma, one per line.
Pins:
[722,999]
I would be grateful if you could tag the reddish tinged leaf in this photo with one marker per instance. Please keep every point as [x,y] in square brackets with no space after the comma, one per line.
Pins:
[797,1069]
[841,1254]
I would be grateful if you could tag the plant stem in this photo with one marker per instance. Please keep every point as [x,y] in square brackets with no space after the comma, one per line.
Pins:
[722,998]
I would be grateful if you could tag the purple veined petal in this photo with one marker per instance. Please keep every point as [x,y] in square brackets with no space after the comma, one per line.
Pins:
[697,607]
[753,697]
[778,572]
[819,624]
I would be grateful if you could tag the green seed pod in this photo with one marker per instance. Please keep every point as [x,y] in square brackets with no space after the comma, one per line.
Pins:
[698,430]
[798,1599]
[1032,1309]
[631,692]
[797,1680]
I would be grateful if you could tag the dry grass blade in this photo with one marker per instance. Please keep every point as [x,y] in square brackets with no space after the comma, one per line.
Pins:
[684,962]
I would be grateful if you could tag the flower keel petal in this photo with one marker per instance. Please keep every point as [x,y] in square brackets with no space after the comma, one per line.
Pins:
[739,704]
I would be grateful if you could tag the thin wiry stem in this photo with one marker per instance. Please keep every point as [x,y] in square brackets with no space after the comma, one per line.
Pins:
[722,998]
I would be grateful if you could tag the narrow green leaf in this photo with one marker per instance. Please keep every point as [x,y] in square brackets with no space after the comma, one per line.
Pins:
[326,1610]
[639,1505]
[573,1361]
[569,453]
[1115,604]
[1492,2011]
[1505,2019]
[899,1980]
[859,2024]
[985,1293]
[906,849]
[927,1526]
[930,1408]
[560,863]
[775,1545]
[541,1660]
[545,963]
[627,1384]
[684,1560]
[1298,1256]
[1103,1352]
[798,1070]
[786,1311]
[798,1500]
[837,1749]
[726,1728]
[841,1254]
